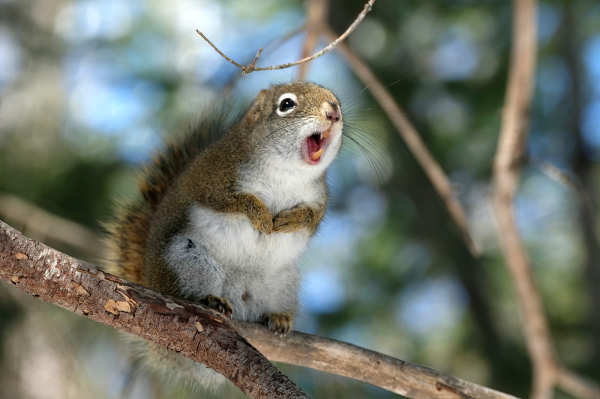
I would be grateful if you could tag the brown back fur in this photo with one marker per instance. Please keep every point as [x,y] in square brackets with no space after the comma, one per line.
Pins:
[128,231]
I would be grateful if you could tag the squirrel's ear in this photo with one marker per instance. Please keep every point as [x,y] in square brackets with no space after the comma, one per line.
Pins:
[255,110]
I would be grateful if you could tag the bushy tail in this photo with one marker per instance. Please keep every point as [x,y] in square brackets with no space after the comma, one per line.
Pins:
[126,240]
[128,231]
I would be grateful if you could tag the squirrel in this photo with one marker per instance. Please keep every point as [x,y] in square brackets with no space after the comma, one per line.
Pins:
[227,211]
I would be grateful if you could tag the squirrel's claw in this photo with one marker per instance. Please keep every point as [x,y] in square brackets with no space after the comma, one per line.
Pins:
[218,303]
[279,323]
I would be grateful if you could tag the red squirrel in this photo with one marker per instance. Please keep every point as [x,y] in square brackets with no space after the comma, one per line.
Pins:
[224,223]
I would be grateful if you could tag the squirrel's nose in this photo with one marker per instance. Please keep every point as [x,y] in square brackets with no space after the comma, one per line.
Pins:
[333,116]
[332,112]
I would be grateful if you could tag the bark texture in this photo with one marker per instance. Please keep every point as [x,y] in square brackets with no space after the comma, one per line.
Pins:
[341,358]
[190,329]
[209,337]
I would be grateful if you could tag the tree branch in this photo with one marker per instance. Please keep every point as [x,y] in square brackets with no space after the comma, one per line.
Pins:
[192,330]
[547,371]
[413,140]
[207,336]
[251,68]
[341,358]
[316,15]
[42,224]
[515,123]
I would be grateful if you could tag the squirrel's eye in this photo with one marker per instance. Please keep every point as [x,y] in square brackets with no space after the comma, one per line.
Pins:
[287,103]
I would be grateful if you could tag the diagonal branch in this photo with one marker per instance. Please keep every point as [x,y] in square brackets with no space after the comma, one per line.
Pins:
[547,370]
[42,224]
[411,137]
[251,68]
[341,358]
[207,336]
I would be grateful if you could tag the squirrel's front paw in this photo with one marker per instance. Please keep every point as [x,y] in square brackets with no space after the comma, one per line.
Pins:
[259,214]
[263,222]
[217,303]
[294,220]
[279,323]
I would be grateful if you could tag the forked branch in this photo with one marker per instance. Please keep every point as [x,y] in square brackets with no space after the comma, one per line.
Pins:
[246,69]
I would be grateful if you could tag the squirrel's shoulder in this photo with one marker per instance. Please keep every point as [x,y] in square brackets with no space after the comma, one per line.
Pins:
[127,231]
[181,147]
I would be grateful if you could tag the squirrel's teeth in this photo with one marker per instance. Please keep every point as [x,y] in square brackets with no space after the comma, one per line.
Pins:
[325,134]
[317,154]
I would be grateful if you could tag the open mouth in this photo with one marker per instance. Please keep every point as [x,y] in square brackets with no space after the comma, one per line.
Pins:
[314,146]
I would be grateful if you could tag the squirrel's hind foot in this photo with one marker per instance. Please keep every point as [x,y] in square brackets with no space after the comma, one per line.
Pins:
[279,323]
[218,303]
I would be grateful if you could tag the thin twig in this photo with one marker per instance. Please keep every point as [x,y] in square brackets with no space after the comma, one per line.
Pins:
[220,52]
[572,182]
[270,47]
[251,68]
[413,140]
[547,371]
[253,63]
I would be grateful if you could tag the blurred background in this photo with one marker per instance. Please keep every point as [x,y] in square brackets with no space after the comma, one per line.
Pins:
[89,87]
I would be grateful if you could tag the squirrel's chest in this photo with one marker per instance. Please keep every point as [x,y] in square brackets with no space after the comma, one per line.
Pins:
[281,189]
[232,240]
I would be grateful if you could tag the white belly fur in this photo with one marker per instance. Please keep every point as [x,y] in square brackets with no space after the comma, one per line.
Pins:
[232,240]
[255,272]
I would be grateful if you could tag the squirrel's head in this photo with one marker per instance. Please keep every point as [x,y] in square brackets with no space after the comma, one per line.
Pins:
[297,123]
